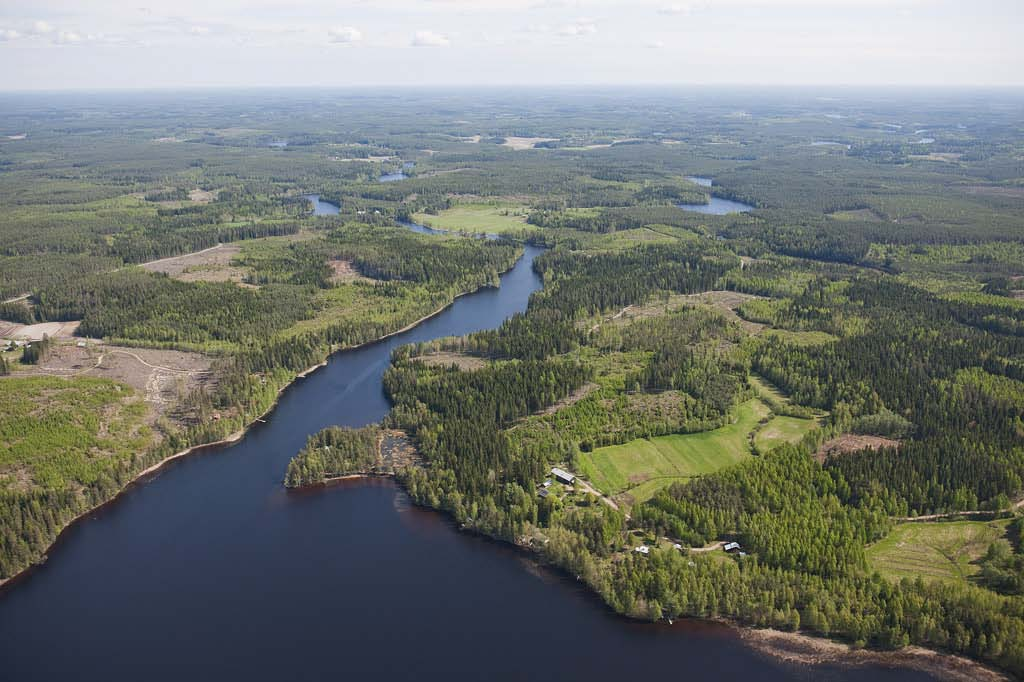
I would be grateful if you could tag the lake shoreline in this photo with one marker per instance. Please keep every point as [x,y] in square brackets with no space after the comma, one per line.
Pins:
[137,479]
[803,649]
[790,647]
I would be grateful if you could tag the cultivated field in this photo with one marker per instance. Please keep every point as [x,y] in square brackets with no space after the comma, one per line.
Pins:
[477,218]
[935,550]
[782,430]
[641,467]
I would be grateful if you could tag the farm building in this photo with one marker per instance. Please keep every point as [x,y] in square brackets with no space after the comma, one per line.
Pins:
[563,476]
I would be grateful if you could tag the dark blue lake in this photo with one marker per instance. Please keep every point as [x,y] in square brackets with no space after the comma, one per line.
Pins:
[211,570]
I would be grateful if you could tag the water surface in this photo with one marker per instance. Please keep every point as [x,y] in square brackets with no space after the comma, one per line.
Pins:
[715,205]
[210,570]
[718,206]
[321,207]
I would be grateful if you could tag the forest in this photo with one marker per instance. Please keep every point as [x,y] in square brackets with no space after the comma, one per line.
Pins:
[806,379]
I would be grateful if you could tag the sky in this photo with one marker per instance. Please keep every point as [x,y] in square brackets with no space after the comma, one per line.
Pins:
[147,44]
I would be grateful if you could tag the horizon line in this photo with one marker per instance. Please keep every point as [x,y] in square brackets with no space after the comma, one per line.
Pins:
[526,86]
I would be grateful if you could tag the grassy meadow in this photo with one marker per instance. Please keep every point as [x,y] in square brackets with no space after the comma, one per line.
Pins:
[643,466]
[946,551]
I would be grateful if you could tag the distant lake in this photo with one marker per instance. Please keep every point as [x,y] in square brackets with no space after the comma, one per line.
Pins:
[321,207]
[829,143]
[718,206]
[925,140]
[715,205]
[392,177]
[211,570]
[422,229]
[280,144]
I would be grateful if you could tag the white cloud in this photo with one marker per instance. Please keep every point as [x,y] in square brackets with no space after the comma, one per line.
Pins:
[429,39]
[70,37]
[344,34]
[199,30]
[676,8]
[654,44]
[9,34]
[581,27]
[40,28]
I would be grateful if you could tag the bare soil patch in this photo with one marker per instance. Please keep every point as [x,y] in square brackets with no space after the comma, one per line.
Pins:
[520,143]
[852,442]
[35,332]
[723,301]
[447,359]
[396,451]
[727,302]
[574,397]
[944,157]
[164,378]
[200,196]
[208,265]
[343,272]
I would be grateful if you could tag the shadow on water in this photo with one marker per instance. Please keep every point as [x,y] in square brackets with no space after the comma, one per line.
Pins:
[211,571]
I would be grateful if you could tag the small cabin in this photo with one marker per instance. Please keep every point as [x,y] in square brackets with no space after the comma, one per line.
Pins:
[543,493]
[563,476]
[643,549]
[731,547]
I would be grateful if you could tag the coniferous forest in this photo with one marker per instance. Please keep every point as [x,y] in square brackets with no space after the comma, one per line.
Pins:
[824,382]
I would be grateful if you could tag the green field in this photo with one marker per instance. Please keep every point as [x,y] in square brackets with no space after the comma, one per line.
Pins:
[766,390]
[491,218]
[643,466]
[939,550]
[782,430]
